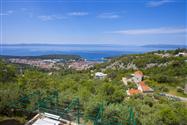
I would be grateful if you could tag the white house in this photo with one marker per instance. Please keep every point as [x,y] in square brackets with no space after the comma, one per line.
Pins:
[138,76]
[181,54]
[185,89]
[126,80]
[100,75]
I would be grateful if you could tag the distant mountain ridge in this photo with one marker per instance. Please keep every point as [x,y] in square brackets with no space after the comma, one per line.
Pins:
[99,45]
[72,45]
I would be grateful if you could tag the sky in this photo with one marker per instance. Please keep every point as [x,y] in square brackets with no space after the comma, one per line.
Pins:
[123,22]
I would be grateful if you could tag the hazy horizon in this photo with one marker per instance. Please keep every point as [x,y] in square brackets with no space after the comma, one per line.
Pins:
[99,44]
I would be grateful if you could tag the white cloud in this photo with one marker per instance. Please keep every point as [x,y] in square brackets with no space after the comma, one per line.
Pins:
[151,31]
[108,16]
[158,3]
[6,13]
[78,13]
[50,17]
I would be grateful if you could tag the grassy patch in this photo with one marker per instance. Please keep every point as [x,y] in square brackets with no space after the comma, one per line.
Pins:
[20,119]
[173,91]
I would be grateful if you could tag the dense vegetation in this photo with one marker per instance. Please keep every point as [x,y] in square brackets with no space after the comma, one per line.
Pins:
[167,74]
[160,71]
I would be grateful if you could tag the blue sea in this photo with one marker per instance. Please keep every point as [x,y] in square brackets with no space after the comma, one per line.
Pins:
[90,52]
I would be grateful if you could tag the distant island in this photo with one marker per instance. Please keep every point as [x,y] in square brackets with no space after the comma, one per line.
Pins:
[100,45]
[73,45]
[165,46]
[91,52]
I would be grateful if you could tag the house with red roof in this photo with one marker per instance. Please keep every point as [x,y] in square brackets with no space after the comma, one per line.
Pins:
[144,88]
[133,91]
[138,76]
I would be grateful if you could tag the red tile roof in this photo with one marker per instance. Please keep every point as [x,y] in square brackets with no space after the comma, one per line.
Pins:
[144,86]
[138,73]
[134,91]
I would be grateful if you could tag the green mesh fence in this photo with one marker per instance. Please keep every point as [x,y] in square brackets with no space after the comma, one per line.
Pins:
[36,103]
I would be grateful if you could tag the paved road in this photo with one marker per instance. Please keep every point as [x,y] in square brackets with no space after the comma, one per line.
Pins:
[174,97]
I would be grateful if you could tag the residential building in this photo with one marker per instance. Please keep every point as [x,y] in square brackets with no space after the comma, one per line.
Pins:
[138,76]
[133,91]
[185,89]
[100,75]
[126,80]
[181,54]
[144,88]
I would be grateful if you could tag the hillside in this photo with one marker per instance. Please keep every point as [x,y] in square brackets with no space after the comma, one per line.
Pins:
[164,72]
[163,69]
